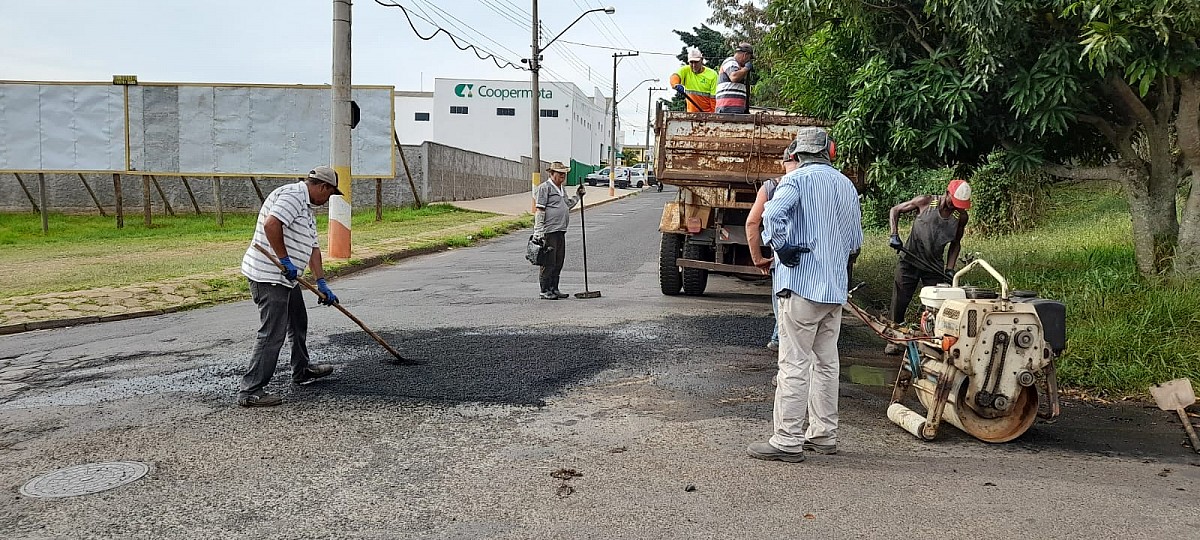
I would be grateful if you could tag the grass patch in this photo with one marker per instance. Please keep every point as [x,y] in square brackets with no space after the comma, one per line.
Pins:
[86,252]
[1125,333]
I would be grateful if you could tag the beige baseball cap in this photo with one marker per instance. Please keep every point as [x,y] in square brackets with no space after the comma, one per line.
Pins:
[327,175]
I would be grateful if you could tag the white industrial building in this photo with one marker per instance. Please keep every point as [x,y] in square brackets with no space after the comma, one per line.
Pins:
[493,117]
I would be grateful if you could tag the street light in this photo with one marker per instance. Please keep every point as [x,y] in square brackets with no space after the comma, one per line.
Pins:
[612,163]
[534,67]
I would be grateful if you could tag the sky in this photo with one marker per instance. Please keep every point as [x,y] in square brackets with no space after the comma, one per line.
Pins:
[289,42]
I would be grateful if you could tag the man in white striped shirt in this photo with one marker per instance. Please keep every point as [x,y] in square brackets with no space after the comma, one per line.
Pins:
[287,227]
[813,223]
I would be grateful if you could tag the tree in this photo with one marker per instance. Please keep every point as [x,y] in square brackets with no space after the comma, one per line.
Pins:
[1084,89]
[712,43]
[745,19]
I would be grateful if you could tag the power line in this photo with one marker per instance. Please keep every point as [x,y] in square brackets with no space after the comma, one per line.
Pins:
[446,16]
[648,71]
[469,47]
[575,63]
[500,10]
[616,48]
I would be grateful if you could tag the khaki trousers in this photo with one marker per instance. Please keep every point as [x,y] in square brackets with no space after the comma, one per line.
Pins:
[806,397]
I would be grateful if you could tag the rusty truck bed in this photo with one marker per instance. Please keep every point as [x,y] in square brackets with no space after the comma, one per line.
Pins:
[723,150]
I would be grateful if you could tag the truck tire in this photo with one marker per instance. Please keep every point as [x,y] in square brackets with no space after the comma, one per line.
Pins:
[695,280]
[669,277]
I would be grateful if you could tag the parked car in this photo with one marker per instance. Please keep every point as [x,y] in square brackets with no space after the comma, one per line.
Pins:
[637,178]
[600,177]
[651,180]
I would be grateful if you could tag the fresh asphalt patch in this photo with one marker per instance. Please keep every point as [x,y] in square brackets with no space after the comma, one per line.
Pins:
[515,366]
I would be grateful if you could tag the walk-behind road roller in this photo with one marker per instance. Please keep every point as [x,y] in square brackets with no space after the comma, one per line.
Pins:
[980,359]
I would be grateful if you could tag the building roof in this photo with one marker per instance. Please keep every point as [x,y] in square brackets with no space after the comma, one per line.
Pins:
[404,93]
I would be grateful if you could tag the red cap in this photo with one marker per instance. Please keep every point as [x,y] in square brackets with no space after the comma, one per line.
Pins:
[960,194]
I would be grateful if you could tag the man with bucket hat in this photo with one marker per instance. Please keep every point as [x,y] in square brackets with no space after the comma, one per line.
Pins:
[940,222]
[814,224]
[550,221]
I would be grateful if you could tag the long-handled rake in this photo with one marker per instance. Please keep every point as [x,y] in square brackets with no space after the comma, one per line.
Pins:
[399,359]
[587,293]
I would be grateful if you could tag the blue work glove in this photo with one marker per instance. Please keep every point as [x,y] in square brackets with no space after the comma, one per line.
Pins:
[330,298]
[290,271]
[749,65]
[679,88]
[894,242]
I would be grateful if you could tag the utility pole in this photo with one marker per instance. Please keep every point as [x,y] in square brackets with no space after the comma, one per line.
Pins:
[536,107]
[339,134]
[649,102]
[612,163]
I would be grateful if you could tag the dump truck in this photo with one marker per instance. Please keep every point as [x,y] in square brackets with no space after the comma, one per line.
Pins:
[718,162]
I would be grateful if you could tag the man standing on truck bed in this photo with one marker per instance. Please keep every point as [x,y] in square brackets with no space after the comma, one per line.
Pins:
[940,222]
[696,82]
[733,89]
[813,223]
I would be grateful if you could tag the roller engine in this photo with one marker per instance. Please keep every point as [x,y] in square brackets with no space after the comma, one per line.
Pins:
[978,360]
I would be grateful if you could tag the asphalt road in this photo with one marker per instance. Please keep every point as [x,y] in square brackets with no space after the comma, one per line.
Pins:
[642,395]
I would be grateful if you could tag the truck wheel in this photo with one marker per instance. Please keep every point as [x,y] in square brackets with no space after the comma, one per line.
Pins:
[669,277]
[694,279]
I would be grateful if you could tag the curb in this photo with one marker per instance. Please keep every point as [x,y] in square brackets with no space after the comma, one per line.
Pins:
[363,264]
[602,203]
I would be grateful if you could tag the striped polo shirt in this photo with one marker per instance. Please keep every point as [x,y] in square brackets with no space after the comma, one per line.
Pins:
[290,205]
[817,207]
[732,97]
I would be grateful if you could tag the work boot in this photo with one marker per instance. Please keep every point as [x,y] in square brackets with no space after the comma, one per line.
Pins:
[765,450]
[893,349]
[311,374]
[548,295]
[561,294]
[261,399]
[826,449]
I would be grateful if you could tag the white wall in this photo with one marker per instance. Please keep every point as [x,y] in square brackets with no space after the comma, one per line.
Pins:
[408,129]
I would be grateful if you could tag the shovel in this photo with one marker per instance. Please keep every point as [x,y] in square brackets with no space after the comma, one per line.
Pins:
[400,360]
[587,293]
[1175,396]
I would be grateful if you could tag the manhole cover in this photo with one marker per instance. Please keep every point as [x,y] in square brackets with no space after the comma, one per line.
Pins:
[85,479]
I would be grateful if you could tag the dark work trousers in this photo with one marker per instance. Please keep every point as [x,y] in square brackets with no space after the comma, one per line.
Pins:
[281,310]
[908,277]
[549,274]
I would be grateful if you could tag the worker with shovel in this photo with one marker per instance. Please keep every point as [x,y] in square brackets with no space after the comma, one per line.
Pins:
[940,222]
[550,226]
[286,224]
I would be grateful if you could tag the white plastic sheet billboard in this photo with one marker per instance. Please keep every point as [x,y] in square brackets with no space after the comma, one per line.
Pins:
[189,129]
[60,127]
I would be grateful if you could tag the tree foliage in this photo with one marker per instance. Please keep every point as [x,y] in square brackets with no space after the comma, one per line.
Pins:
[1089,89]
[712,43]
[746,20]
